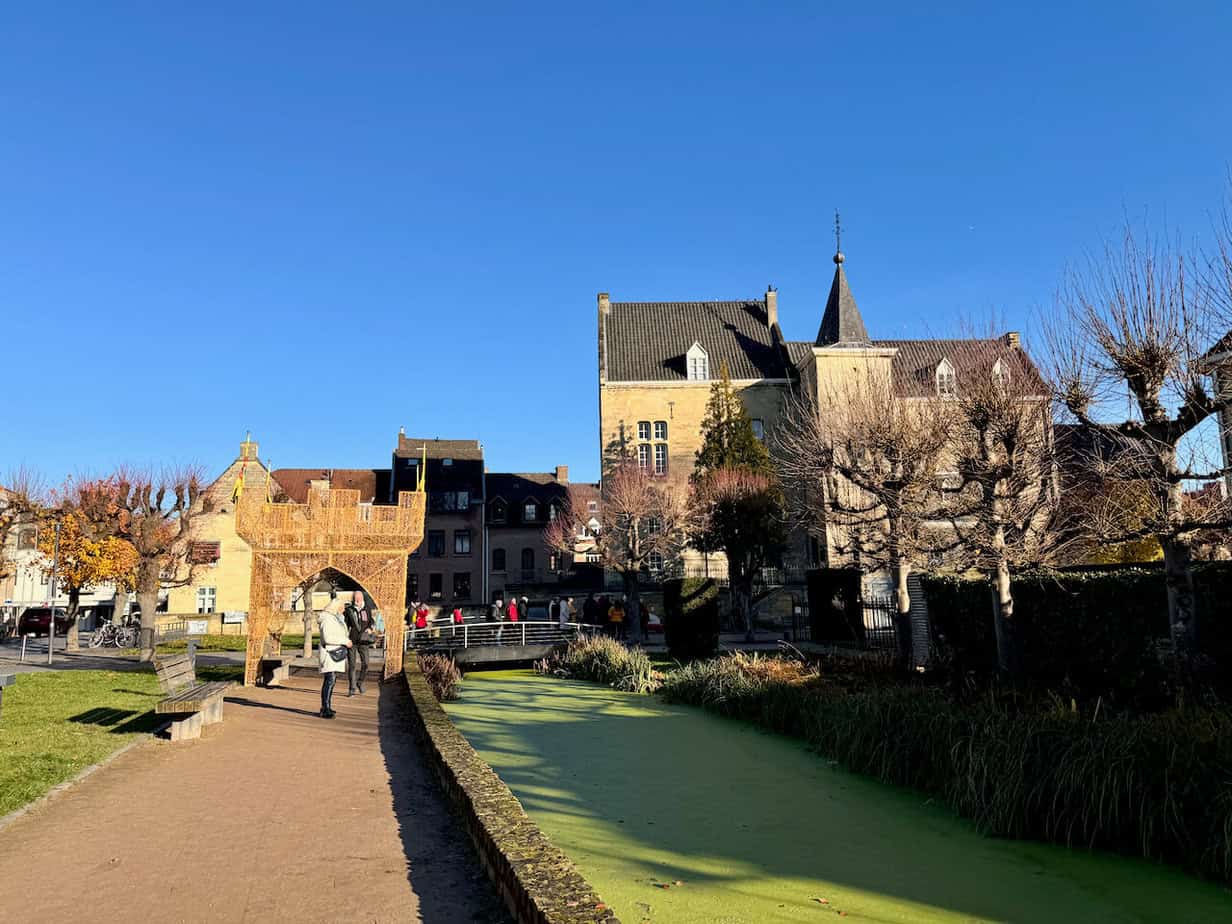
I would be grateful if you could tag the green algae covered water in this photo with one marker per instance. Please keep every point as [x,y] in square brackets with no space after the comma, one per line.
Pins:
[677,816]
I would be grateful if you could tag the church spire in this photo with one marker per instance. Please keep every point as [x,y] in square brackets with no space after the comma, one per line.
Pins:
[841,325]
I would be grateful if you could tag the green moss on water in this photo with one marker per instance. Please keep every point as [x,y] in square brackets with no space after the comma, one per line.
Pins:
[756,828]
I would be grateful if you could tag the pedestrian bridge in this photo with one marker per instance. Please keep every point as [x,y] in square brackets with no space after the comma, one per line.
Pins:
[494,642]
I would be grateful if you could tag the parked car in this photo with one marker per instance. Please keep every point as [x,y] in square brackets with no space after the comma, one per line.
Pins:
[35,620]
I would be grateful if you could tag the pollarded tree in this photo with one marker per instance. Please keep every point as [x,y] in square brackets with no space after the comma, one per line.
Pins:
[866,467]
[736,498]
[1002,499]
[1131,331]
[21,499]
[156,513]
[641,518]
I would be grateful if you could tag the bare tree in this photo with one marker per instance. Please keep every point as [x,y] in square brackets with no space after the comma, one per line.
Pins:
[1001,495]
[641,517]
[156,513]
[866,467]
[21,499]
[1127,344]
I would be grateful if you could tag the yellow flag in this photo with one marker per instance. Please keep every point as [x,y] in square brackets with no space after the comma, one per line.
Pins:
[423,472]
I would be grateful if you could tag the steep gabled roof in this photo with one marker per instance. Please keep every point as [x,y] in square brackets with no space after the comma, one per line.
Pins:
[413,447]
[647,341]
[371,483]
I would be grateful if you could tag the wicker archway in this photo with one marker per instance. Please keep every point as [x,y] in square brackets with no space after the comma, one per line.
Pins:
[292,542]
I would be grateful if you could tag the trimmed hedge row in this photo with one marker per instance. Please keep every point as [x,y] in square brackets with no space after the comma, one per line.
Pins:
[691,618]
[537,882]
[1155,786]
[1083,633]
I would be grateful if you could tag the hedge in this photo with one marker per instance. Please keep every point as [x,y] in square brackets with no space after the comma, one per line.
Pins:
[1086,633]
[691,617]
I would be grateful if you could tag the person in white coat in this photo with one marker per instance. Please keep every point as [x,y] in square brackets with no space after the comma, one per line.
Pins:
[334,637]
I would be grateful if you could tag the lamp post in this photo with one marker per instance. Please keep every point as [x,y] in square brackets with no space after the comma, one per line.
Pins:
[51,620]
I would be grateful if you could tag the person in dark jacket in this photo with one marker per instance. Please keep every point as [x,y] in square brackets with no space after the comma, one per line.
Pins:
[361,632]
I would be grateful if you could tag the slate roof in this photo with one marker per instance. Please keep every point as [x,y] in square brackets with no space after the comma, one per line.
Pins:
[647,341]
[841,323]
[372,484]
[412,447]
[515,488]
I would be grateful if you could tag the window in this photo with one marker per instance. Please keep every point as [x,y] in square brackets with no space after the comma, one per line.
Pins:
[592,506]
[436,543]
[1000,373]
[498,511]
[697,363]
[447,501]
[446,461]
[206,598]
[653,525]
[462,585]
[553,561]
[553,510]
[27,539]
[412,586]
[498,559]
[461,542]
[660,456]
[643,455]
[435,583]
[593,558]
[643,429]
[654,561]
[759,428]
[946,386]
[528,559]
[464,500]
[660,429]
[530,512]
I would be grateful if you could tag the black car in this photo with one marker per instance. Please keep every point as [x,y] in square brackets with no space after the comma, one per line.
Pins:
[35,620]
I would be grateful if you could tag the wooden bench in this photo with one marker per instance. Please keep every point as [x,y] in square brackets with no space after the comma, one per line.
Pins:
[5,680]
[198,703]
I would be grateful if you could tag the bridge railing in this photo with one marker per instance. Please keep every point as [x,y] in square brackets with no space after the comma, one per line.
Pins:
[443,634]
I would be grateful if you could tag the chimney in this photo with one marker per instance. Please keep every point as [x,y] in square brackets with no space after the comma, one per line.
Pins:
[1012,339]
[605,303]
[248,448]
[772,306]
[562,474]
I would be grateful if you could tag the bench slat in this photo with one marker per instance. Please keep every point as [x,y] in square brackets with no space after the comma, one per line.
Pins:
[193,698]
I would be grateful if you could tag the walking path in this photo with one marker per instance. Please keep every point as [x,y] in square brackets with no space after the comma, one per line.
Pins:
[273,815]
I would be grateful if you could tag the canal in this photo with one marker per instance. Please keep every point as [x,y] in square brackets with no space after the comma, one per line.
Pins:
[675,815]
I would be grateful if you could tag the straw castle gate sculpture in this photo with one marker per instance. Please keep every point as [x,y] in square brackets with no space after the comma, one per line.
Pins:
[294,542]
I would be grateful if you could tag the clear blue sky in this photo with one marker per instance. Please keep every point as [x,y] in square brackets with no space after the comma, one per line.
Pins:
[324,221]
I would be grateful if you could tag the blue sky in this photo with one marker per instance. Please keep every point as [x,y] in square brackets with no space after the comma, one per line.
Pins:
[323,221]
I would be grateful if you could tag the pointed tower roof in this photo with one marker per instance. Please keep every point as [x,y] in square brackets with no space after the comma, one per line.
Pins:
[841,325]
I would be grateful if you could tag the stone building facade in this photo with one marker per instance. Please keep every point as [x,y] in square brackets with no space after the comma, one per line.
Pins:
[657,361]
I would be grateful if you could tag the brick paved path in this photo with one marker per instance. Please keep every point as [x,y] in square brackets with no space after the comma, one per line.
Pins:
[273,815]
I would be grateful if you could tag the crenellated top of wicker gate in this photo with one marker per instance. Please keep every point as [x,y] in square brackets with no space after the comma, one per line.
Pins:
[292,543]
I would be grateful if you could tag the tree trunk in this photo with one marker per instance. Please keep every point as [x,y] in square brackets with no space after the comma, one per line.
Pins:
[72,641]
[902,612]
[633,618]
[1009,661]
[1182,609]
[148,601]
[119,605]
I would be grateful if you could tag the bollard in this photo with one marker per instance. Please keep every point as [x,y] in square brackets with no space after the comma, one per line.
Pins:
[23,648]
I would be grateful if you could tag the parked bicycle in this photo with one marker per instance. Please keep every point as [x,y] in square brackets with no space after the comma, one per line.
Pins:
[117,636]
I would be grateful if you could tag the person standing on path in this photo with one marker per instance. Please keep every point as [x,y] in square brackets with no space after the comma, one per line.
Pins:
[359,625]
[616,615]
[334,641]
[565,611]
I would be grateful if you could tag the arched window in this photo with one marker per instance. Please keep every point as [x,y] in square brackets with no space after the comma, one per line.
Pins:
[528,559]
[947,386]
[498,559]
[498,511]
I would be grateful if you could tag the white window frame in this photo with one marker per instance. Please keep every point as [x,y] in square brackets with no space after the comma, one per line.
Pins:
[530,512]
[660,458]
[643,456]
[643,429]
[207,600]
[697,364]
[946,381]
[660,430]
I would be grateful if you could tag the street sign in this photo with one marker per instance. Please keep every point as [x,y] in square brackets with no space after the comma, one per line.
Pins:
[233,617]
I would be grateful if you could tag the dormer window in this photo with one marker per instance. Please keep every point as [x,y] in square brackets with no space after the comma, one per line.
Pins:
[947,386]
[498,511]
[1001,373]
[697,362]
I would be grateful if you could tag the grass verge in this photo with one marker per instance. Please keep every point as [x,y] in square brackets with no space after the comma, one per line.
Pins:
[55,724]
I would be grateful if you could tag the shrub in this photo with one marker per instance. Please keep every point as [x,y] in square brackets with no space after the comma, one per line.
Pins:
[691,618]
[442,675]
[603,660]
[1154,786]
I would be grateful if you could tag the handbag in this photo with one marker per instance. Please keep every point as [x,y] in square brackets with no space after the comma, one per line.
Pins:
[338,654]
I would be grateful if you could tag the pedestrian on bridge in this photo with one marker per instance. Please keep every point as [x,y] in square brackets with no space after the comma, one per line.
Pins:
[566,611]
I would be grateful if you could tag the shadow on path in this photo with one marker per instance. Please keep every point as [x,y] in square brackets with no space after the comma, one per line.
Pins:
[442,866]
[244,701]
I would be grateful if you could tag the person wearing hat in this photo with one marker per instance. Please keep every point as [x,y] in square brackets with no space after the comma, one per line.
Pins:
[334,641]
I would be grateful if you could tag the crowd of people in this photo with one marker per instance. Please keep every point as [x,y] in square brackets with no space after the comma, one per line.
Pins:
[604,611]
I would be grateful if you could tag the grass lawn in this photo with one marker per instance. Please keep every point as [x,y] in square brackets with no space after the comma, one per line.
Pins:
[55,724]
[676,815]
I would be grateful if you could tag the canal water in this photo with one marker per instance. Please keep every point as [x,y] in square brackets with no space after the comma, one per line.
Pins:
[675,815]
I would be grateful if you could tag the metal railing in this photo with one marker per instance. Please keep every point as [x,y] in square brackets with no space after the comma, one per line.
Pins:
[445,634]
